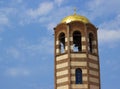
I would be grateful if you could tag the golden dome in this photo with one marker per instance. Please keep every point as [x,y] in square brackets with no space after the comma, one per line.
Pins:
[75,17]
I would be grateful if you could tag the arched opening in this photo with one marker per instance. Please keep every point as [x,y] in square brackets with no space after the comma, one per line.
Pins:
[77,47]
[62,42]
[91,42]
[78,75]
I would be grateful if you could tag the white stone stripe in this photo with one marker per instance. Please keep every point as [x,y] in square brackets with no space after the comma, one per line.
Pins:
[61,80]
[66,47]
[85,78]
[71,47]
[93,65]
[84,71]
[78,63]
[83,47]
[63,87]
[79,86]
[62,65]
[93,57]
[83,38]
[78,55]
[95,80]
[62,73]
[94,42]
[65,39]
[71,38]
[62,57]
[57,42]
[57,50]
[94,73]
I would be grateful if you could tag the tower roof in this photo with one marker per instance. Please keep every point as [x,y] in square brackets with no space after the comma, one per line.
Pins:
[75,17]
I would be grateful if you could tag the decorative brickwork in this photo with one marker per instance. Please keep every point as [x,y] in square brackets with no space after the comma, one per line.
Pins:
[87,59]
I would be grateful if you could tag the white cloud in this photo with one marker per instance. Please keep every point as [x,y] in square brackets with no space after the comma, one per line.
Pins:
[15,2]
[19,1]
[13,52]
[46,14]
[15,72]
[51,26]
[59,2]
[109,14]
[101,8]
[7,11]
[4,20]
[110,31]
[44,46]
[24,49]
[43,9]
[5,16]
[109,36]
[113,24]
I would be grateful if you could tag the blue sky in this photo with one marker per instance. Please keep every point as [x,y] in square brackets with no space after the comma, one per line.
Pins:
[26,40]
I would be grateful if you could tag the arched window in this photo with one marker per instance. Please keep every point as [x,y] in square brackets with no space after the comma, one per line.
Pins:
[91,42]
[62,42]
[78,75]
[77,41]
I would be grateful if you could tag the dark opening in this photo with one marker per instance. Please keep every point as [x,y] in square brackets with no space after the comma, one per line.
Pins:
[91,42]
[62,42]
[77,41]
[78,74]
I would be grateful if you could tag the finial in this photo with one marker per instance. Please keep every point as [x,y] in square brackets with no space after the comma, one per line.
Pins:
[75,10]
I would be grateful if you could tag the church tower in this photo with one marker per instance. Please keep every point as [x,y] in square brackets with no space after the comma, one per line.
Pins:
[76,54]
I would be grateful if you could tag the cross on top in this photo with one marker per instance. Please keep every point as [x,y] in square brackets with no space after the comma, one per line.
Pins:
[75,10]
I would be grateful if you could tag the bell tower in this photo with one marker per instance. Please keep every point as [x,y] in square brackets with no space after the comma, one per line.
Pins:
[76,54]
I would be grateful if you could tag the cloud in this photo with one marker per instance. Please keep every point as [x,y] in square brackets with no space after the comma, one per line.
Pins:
[7,11]
[106,36]
[13,52]
[59,2]
[23,49]
[43,47]
[110,31]
[4,20]
[5,17]
[43,9]
[103,9]
[46,14]
[113,24]
[51,26]
[15,72]
[107,15]
[110,63]
[40,14]
[18,1]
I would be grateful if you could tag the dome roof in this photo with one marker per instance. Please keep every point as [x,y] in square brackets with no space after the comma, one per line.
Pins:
[75,17]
